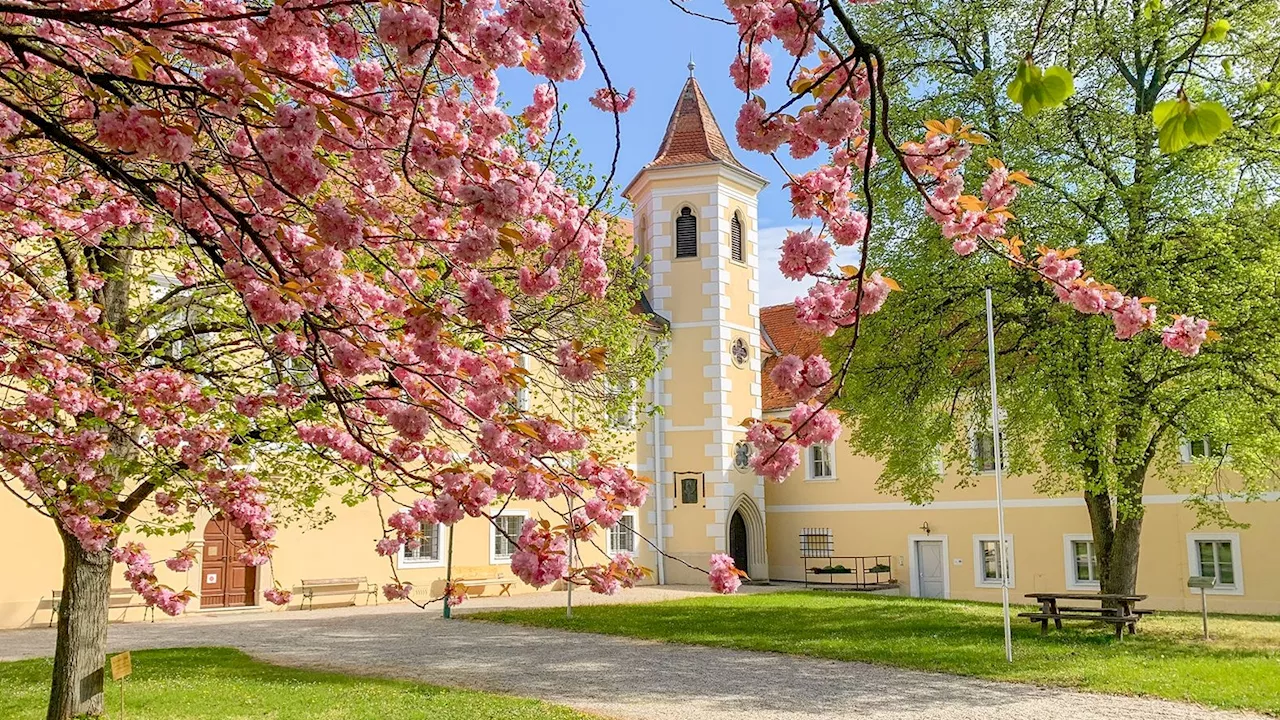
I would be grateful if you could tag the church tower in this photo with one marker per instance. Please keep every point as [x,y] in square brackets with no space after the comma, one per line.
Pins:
[696,219]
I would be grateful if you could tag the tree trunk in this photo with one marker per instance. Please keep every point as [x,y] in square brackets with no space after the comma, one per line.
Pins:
[1122,575]
[1116,537]
[82,632]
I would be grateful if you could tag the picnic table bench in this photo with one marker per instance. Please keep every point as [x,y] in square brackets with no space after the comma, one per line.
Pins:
[353,586]
[1118,610]
[121,597]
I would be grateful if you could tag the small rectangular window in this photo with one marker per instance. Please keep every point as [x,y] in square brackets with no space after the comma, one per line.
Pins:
[1086,561]
[689,490]
[622,536]
[1216,561]
[987,567]
[1203,449]
[505,535]
[522,392]
[427,551]
[820,462]
[984,451]
[817,543]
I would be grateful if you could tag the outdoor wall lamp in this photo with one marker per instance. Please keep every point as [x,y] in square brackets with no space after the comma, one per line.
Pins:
[925,528]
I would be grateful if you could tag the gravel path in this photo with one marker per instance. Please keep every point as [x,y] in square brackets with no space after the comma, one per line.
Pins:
[616,677]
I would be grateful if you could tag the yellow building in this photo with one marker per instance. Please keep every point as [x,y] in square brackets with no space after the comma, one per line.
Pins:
[695,210]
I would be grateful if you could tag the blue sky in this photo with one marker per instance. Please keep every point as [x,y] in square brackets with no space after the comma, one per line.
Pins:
[646,44]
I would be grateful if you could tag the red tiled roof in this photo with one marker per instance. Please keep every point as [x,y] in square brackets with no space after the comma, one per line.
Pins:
[790,338]
[692,134]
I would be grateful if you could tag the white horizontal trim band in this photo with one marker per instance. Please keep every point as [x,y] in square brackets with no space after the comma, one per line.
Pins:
[988,504]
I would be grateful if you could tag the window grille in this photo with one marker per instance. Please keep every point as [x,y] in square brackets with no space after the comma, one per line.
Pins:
[817,543]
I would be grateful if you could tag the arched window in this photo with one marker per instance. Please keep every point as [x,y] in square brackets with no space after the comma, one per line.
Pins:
[736,246]
[686,233]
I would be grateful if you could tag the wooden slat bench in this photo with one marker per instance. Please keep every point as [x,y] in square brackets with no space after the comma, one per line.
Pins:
[504,583]
[121,597]
[1118,610]
[321,587]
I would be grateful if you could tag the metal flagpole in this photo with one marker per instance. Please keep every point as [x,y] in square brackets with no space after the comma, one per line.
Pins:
[996,447]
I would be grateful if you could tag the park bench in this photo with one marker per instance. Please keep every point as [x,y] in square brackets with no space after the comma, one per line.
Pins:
[1117,610]
[353,586]
[121,597]
[504,583]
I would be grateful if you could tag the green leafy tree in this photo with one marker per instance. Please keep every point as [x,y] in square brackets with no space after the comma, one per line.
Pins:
[1151,141]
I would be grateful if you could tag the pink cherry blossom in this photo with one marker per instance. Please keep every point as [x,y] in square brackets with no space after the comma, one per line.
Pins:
[1185,335]
[724,576]
[804,253]
[613,100]
[1132,318]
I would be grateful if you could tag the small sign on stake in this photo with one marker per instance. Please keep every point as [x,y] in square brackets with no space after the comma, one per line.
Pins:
[121,668]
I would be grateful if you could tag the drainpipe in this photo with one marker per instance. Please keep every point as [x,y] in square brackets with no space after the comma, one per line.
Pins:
[660,496]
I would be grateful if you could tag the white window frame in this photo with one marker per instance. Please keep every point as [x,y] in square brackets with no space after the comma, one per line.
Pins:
[635,528]
[1069,561]
[629,421]
[523,399]
[494,557]
[973,450]
[404,562]
[831,463]
[1184,451]
[1237,569]
[979,578]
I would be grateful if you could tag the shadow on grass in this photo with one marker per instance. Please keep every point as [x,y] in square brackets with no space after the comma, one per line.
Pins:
[952,637]
[225,684]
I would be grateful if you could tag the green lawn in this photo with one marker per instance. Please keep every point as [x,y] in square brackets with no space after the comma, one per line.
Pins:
[224,684]
[1239,668]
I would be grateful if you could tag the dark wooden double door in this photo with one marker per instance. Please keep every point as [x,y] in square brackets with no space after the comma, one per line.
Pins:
[224,580]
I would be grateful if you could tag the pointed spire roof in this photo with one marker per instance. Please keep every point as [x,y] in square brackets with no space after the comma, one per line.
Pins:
[693,137]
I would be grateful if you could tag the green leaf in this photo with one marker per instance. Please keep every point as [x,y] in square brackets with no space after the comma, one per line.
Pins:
[1218,31]
[1151,7]
[1183,123]
[1273,125]
[1037,89]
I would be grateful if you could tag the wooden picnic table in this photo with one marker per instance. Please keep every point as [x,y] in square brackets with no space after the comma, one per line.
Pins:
[1119,610]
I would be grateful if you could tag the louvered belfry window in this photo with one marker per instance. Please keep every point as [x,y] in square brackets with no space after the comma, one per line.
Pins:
[686,234]
[735,239]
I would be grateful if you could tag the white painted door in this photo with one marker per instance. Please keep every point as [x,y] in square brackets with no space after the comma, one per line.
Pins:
[930,566]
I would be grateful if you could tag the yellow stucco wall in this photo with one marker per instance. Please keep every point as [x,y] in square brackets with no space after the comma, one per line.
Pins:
[341,548]
[864,522]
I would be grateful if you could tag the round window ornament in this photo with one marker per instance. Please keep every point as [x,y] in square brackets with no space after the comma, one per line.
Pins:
[742,456]
[740,352]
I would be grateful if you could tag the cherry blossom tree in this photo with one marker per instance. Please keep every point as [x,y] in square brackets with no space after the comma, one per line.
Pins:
[234,231]
[839,103]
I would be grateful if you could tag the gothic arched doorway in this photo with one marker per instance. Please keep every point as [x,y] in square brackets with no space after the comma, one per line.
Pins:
[225,581]
[738,547]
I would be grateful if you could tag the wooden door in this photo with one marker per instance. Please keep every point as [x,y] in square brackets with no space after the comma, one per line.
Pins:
[224,580]
[930,567]
[738,542]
